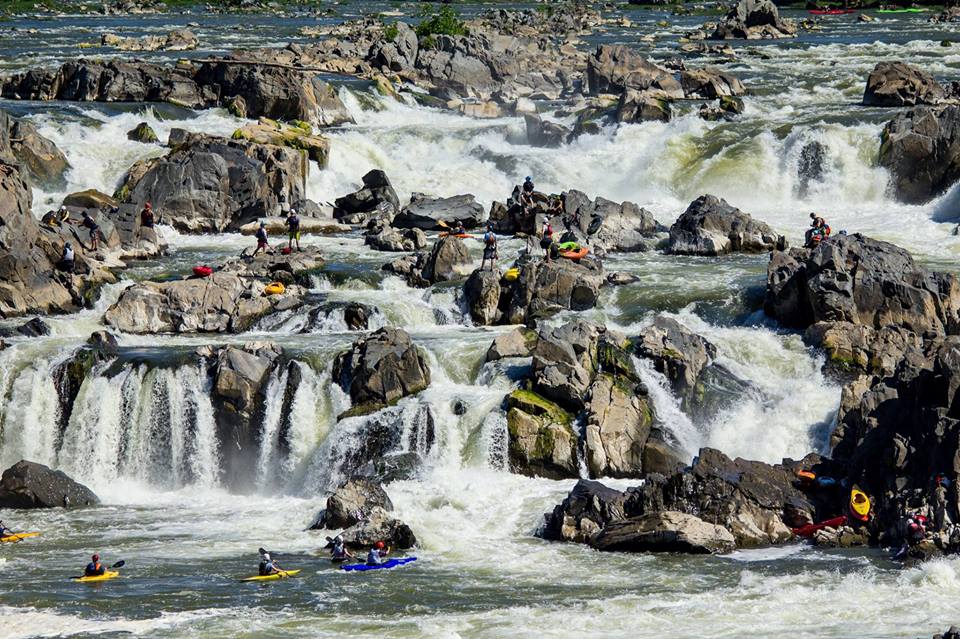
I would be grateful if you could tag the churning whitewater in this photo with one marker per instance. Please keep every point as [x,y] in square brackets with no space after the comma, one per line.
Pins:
[622,442]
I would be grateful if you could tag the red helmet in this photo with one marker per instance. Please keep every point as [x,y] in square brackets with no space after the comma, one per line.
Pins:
[147,205]
[96,557]
[378,545]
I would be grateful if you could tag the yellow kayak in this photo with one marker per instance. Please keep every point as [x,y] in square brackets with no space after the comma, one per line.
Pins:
[276,288]
[110,574]
[283,574]
[511,274]
[17,537]
[859,504]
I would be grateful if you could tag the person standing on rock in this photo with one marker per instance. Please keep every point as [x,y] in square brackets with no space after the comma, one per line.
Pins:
[67,258]
[91,225]
[293,229]
[489,248]
[546,239]
[261,239]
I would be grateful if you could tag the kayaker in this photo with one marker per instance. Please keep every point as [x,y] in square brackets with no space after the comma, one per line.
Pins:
[67,257]
[91,225]
[94,568]
[267,565]
[489,248]
[377,553]
[4,531]
[261,239]
[293,229]
[339,551]
[460,229]
[546,239]
[147,219]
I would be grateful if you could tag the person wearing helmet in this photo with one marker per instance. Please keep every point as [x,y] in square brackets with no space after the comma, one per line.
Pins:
[377,553]
[268,566]
[293,229]
[339,552]
[4,531]
[67,257]
[94,568]
[261,239]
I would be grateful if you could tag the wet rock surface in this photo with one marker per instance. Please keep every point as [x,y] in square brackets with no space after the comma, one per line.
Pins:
[30,485]
[710,226]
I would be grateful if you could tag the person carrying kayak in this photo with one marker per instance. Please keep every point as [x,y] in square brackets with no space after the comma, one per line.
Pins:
[377,553]
[546,239]
[339,551]
[261,239]
[267,565]
[489,248]
[66,262]
[293,229]
[94,568]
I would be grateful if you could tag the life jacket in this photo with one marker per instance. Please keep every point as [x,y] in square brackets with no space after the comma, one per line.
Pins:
[826,229]
[146,217]
[294,223]
[548,231]
[373,557]
[262,234]
[339,552]
[94,568]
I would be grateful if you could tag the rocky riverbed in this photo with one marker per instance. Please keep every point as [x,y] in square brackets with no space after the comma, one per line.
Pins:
[611,444]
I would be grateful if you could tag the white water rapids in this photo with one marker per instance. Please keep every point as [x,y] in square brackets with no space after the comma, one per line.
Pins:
[142,431]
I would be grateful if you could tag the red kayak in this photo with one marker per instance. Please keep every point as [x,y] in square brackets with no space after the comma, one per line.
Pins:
[810,529]
[202,271]
[831,12]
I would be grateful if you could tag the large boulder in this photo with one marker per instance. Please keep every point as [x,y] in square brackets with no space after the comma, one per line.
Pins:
[619,418]
[617,68]
[275,92]
[224,302]
[710,83]
[921,149]
[211,184]
[664,531]
[518,342]
[380,369]
[387,238]
[350,502]
[443,213]
[298,135]
[676,352]
[898,84]
[856,279]
[43,161]
[482,290]
[753,20]
[584,512]
[610,226]
[544,288]
[639,106]
[542,441]
[712,227]
[375,199]
[379,525]
[27,484]
[448,260]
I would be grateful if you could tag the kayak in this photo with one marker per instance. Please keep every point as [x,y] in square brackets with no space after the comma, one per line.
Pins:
[511,274]
[859,504]
[831,12]
[110,574]
[806,476]
[391,563]
[276,288]
[810,529]
[460,235]
[568,246]
[575,255]
[202,271]
[283,574]
[908,10]
[17,537]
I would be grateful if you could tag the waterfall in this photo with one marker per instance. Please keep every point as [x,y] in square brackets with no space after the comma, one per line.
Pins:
[666,407]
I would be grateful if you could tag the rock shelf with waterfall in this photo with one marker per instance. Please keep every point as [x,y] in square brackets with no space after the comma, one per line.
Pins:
[683,419]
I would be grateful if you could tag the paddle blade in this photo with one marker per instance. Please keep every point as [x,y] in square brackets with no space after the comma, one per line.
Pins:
[119,564]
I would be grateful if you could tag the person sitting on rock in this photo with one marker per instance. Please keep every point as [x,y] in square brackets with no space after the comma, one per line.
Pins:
[293,228]
[91,225]
[915,531]
[67,258]
[56,219]
[489,248]
[459,229]
[546,239]
[261,239]
[526,193]
[267,565]
[377,553]
[817,232]
[339,552]
[146,216]
[94,568]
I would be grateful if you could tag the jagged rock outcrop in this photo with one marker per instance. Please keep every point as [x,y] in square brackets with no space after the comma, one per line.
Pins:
[28,484]
[43,162]
[856,279]
[448,260]
[212,184]
[898,84]
[176,40]
[664,531]
[375,199]
[544,133]
[676,352]
[753,20]
[543,288]
[712,227]
[352,501]
[617,68]
[921,149]
[639,106]
[443,213]
[379,525]
[380,369]
[482,290]
[516,343]
[296,135]
[710,84]
[387,238]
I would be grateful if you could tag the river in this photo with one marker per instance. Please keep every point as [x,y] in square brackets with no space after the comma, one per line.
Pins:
[143,437]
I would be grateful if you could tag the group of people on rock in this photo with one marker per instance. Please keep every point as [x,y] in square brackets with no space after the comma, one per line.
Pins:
[292,223]
[819,230]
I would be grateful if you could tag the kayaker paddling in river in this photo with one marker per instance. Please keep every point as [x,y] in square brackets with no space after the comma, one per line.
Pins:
[339,552]
[94,568]
[268,566]
[4,531]
[377,553]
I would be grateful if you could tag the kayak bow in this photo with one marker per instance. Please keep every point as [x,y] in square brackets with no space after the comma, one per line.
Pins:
[15,537]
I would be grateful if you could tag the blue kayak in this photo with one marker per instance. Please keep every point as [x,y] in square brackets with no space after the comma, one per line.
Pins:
[390,563]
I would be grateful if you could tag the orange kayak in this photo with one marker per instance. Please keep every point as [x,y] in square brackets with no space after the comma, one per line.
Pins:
[575,255]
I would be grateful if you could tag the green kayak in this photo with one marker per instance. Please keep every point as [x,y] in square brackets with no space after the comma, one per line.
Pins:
[568,246]
[908,10]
